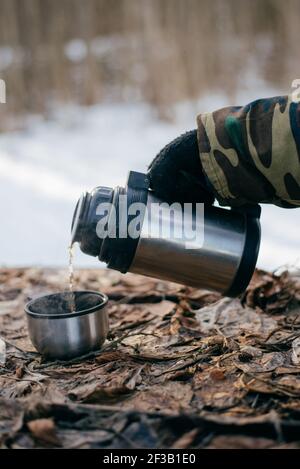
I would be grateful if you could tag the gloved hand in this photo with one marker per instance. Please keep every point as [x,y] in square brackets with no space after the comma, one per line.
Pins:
[176,173]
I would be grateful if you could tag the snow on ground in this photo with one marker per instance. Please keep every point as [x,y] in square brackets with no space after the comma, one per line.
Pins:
[44,169]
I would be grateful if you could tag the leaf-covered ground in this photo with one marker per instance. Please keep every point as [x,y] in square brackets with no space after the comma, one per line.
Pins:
[183,368]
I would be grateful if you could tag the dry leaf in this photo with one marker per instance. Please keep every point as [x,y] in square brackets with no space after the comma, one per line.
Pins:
[266,362]
[272,293]
[44,430]
[186,440]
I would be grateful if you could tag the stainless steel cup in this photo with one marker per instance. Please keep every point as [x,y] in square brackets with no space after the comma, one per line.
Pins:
[58,331]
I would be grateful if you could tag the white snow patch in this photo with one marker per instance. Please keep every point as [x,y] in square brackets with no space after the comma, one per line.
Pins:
[6,57]
[76,50]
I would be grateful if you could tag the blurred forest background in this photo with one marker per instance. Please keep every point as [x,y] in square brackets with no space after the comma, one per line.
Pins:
[158,51]
[97,87]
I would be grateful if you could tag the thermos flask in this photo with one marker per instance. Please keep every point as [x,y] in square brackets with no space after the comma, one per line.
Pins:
[220,256]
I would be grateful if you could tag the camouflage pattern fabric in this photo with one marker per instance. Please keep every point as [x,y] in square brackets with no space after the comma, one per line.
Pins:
[251,154]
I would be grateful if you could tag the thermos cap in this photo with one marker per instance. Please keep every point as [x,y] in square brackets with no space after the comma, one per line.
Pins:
[85,219]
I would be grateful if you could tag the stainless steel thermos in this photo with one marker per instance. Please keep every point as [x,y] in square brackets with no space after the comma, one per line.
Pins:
[221,258]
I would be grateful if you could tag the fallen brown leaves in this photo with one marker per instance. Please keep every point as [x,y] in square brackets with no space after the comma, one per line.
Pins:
[273,293]
[182,367]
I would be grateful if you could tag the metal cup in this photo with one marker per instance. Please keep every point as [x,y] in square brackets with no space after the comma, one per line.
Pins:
[59,330]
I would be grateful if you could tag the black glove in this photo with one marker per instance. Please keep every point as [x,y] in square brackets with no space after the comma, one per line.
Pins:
[176,173]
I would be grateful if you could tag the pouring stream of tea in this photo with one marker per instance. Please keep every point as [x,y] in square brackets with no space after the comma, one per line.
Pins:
[71,278]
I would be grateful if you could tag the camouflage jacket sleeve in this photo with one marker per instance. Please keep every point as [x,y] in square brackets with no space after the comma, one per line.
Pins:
[251,154]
